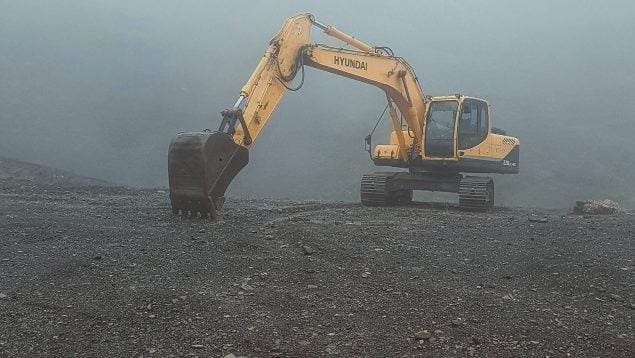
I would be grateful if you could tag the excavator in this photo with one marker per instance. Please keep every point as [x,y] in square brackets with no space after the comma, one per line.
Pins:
[439,140]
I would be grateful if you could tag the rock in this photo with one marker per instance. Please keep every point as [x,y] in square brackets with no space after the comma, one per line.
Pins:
[331,349]
[474,340]
[307,250]
[425,334]
[245,286]
[2,295]
[596,207]
[198,346]
[438,332]
[230,355]
[537,219]
[457,322]
[365,274]
[303,343]
[269,237]
[616,297]
[97,258]
[311,286]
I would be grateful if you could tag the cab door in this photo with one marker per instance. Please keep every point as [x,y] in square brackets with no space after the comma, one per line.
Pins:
[440,124]
[473,124]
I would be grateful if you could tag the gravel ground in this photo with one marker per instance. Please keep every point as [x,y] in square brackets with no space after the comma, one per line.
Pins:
[110,272]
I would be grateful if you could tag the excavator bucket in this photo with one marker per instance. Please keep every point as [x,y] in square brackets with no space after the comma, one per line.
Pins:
[201,166]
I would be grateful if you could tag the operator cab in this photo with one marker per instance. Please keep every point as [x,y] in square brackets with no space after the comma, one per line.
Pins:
[455,123]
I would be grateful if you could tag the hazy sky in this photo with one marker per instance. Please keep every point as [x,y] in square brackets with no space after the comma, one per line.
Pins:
[100,88]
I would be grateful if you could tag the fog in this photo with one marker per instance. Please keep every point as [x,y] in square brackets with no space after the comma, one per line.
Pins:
[100,87]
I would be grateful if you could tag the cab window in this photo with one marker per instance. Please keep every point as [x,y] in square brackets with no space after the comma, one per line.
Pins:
[473,124]
[440,124]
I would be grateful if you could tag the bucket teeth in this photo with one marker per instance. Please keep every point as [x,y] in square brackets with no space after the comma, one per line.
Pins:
[201,166]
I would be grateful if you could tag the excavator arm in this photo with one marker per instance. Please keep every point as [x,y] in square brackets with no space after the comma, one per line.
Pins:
[391,74]
[202,165]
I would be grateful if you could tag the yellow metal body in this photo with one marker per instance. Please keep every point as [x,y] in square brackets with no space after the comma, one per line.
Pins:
[395,149]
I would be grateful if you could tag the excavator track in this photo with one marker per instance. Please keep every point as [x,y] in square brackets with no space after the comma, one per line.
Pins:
[376,190]
[476,193]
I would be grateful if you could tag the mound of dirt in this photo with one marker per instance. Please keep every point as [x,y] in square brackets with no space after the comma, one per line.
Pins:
[12,169]
[596,207]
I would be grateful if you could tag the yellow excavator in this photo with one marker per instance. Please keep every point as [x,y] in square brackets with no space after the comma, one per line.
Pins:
[438,139]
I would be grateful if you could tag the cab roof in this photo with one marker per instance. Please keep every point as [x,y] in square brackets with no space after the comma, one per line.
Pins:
[455,97]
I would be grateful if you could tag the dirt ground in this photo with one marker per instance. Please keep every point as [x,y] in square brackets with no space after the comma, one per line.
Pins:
[110,272]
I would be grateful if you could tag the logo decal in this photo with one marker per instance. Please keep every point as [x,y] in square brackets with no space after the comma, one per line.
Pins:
[349,62]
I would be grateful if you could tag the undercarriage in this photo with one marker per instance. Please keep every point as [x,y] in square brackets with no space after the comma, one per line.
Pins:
[392,188]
